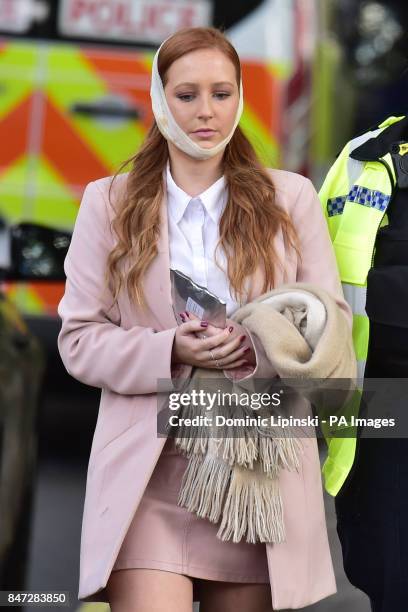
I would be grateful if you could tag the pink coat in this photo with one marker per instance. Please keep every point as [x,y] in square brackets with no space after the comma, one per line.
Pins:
[124,351]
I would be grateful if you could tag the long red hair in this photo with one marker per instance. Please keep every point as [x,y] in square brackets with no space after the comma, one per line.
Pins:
[251,218]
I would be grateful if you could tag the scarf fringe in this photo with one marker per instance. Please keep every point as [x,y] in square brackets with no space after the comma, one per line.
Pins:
[203,486]
[235,478]
[253,508]
[277,453]
[242,451]
[191,446]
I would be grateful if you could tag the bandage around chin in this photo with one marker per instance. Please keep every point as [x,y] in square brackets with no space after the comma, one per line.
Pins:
[171,130]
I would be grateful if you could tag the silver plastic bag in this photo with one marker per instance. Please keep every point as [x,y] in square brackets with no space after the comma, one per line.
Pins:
[188,295]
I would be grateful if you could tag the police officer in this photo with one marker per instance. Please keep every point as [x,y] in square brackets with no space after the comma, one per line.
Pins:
[365,200]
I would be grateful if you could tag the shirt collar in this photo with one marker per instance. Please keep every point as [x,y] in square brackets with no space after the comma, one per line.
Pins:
[213,199]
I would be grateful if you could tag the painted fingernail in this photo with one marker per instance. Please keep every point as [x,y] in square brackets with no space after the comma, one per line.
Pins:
[186,313]
[242,338]
[230,329]
[204,323]
[182,316]
[246,350]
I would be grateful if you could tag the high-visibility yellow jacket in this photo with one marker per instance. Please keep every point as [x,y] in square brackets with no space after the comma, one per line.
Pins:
[355,196]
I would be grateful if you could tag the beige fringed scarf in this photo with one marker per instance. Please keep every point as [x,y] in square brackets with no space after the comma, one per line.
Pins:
[234,479]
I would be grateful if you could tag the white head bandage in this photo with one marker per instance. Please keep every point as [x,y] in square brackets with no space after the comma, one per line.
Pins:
[171,130]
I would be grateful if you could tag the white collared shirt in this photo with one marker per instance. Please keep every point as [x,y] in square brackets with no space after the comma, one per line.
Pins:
[193,234]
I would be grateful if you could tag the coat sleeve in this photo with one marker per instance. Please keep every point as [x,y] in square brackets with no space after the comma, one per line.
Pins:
[263,369]
[317,263]
[93,347]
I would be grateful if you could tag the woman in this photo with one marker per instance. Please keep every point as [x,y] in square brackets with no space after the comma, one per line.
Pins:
[196,179]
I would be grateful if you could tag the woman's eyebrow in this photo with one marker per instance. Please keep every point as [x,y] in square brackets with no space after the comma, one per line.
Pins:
[219,84]
[186,84]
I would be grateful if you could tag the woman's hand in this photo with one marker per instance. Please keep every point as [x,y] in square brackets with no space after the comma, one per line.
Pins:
[243,347]
[226,348]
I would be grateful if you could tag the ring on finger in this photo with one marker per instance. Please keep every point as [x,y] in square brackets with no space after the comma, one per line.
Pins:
[217,363]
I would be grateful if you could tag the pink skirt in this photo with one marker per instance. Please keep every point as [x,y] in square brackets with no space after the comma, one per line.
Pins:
[165,536]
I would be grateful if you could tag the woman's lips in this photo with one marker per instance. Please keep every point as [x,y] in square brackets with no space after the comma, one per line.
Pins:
[204,133]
